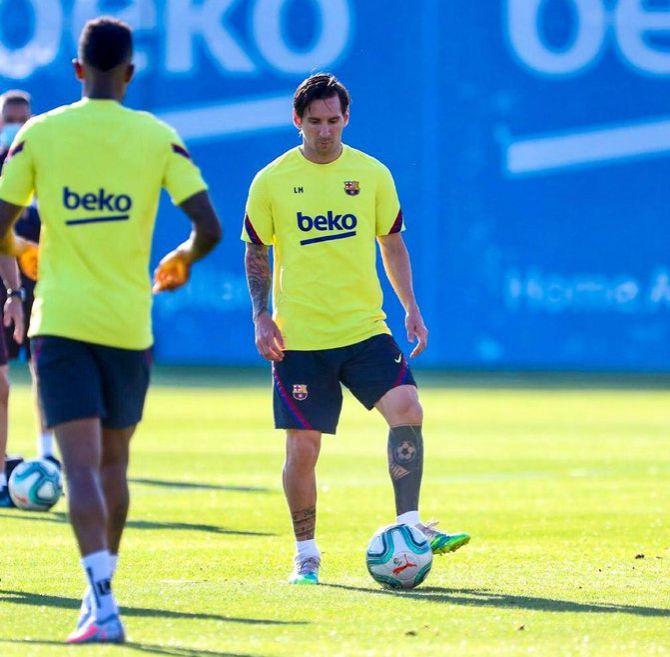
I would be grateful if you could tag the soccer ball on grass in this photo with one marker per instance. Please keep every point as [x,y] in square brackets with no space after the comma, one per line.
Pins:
[35,485]
[399,557]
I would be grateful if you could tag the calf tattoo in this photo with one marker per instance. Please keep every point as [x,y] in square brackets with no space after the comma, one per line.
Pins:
[405,456]
[304,523]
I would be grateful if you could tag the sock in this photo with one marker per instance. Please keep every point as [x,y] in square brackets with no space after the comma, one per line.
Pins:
[408,518]
[45,444]
[87,601]
[306,549]
[3,479]
[405,460]
[98,569]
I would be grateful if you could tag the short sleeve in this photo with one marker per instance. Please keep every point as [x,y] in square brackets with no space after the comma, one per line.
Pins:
[17,182]
[258,225]
[182,178]
[389,214]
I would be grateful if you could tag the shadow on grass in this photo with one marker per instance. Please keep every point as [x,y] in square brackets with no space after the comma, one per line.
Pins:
[177,651]
[61,517]
[162,483]
[39,600]
[486,598]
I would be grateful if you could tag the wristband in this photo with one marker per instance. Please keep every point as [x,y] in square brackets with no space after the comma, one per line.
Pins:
[18,292]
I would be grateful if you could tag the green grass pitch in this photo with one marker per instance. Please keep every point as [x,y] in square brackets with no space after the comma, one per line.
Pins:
[562,490]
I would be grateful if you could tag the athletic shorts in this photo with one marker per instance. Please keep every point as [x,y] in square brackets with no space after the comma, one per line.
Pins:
[78,380]
[307,390]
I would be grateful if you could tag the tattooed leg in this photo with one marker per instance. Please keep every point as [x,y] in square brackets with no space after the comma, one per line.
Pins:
[405,458]
[304,524]
[302,453]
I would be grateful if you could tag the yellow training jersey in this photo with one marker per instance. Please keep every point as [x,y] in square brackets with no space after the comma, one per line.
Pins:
[322,220]
[97,169]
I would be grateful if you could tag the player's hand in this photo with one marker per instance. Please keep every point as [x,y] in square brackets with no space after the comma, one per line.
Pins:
[416,330]
[13,314]
[27,254]
[269,340]
[172,272]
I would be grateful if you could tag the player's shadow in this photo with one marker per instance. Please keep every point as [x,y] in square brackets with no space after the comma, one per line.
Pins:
[162,483]
[39,600]
[486,598]
[177,651]
[61,517]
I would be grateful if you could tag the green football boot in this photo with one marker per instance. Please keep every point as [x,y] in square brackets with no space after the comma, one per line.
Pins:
[306,571]
[441,542]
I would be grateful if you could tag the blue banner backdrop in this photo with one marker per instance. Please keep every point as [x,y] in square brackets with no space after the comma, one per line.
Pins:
[529,140]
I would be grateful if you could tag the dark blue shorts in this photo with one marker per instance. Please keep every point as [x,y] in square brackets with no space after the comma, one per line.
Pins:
[78,380]
[307,390]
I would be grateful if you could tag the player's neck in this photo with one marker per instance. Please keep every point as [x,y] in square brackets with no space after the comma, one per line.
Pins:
[103,91]
[321,158]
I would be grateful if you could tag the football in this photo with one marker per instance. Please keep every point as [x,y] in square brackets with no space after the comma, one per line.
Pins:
[399,557]
[35,485]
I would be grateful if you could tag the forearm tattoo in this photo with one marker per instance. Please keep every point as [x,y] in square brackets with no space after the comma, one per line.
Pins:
[304,524]
[259,278]
[405,459]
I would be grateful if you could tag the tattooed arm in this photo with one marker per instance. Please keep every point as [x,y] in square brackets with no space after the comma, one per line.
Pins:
[269,341]
[399,272]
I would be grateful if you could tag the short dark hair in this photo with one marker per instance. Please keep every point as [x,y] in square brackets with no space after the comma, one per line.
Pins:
[14,96]
[105,43]
[319,87]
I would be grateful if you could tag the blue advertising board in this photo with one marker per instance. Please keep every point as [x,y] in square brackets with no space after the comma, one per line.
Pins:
[529,140]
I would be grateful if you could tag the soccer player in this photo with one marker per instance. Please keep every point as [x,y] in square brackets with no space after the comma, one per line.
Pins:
[12,319]
[15,110]
[97,169]
[12,111]
[321,206]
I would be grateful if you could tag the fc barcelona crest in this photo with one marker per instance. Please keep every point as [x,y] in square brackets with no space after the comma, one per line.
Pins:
[300,391]
[352,187]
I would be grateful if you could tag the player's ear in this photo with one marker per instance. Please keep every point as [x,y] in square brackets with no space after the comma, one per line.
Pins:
[130,71]
[78,69]
[297,121]
[346,119]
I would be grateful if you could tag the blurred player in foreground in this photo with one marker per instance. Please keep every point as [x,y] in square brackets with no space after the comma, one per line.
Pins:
[15,110]
[13,114]
[12,318]
[97,169]
[321,206]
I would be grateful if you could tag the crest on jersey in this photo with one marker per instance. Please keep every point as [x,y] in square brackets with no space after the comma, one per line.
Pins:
[352,187]
[300,391]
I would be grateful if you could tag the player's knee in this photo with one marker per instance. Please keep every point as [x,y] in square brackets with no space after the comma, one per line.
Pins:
[84,492]
[409,411]
[302,449]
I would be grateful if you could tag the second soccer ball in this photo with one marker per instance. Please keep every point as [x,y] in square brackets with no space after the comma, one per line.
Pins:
[35,485]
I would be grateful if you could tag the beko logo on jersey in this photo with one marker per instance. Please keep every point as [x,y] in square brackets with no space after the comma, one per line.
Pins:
[327,222]
[100,201]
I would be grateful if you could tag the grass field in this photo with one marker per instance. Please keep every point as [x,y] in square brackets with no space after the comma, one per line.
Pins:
[563,491]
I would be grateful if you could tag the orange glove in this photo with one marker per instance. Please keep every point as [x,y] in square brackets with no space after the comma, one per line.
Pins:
[172,272]
[29,260]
